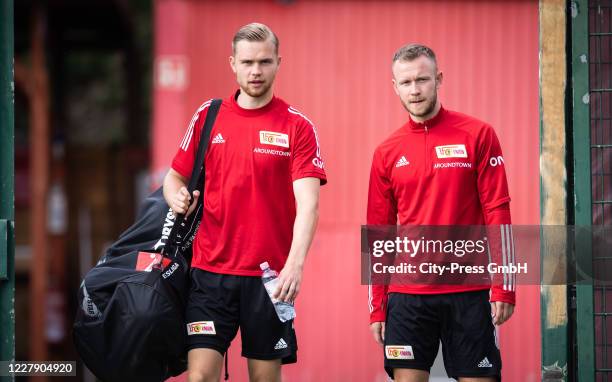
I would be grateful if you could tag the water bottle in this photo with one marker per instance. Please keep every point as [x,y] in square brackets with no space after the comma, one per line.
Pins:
[284,310]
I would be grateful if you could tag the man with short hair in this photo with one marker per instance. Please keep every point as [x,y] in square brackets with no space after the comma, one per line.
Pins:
[436,171]
[263,174]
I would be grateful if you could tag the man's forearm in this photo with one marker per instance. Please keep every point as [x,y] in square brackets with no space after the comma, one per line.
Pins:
[303,231]
[306,191]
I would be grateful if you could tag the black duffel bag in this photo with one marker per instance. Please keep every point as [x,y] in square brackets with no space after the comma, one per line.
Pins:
[130,324]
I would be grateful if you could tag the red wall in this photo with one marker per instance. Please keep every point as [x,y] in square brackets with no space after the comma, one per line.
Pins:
[336,69]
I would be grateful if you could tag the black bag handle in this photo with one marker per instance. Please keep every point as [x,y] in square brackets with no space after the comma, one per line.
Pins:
[199,169]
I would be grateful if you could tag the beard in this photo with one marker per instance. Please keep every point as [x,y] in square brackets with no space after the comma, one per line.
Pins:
[257,92]
[429,107]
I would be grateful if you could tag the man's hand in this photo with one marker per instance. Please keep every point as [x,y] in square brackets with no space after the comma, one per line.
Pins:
[501,311]
[181,201]
[289,281]
[378,331]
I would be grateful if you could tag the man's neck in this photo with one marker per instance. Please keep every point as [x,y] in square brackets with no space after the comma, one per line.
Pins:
[245,101]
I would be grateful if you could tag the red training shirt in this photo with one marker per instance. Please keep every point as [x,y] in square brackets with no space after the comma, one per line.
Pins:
[448,170]
[253,157]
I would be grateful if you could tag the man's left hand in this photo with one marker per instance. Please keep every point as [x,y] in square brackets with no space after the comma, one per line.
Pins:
[289,281]
[502,311]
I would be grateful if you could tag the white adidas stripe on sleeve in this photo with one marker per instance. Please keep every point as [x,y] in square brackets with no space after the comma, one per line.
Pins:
[314,130]
[507,247]
[189,134]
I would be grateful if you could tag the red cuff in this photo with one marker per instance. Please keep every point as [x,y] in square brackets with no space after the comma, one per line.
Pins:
[498,294]
[377,316]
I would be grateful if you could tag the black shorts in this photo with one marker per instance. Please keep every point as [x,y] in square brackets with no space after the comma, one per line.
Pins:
[416,324]
[218,304]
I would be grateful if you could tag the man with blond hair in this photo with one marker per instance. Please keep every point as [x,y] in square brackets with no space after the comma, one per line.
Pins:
[263,174]
[441,168]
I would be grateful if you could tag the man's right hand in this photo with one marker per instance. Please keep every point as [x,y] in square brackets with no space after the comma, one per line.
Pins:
[378,331]
[181,201]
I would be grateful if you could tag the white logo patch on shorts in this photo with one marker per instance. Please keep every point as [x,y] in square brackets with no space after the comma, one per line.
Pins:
[485,363]
[451,151]
[281,344]
[399,352]
[201,327]
[274,139]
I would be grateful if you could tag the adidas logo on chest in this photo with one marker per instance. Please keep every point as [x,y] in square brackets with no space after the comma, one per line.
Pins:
[402,162]
[218,139]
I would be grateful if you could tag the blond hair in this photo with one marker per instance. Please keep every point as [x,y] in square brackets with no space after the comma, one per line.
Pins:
[411,52]
[255,32]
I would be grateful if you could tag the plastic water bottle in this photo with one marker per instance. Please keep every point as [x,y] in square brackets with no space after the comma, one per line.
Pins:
[284,310]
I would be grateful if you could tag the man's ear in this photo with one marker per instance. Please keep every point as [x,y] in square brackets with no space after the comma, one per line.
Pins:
[394,86]
[439,78]
[232,62]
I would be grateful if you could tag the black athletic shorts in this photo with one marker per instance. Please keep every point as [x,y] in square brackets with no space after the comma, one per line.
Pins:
[416,324]
[218,304]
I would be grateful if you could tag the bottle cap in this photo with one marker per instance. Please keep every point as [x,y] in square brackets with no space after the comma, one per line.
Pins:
[264,266]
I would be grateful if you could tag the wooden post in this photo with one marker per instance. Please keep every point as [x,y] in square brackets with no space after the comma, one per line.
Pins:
[553,189]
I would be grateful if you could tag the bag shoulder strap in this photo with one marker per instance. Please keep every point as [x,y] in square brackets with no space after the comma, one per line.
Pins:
[198,168]
[198,172]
